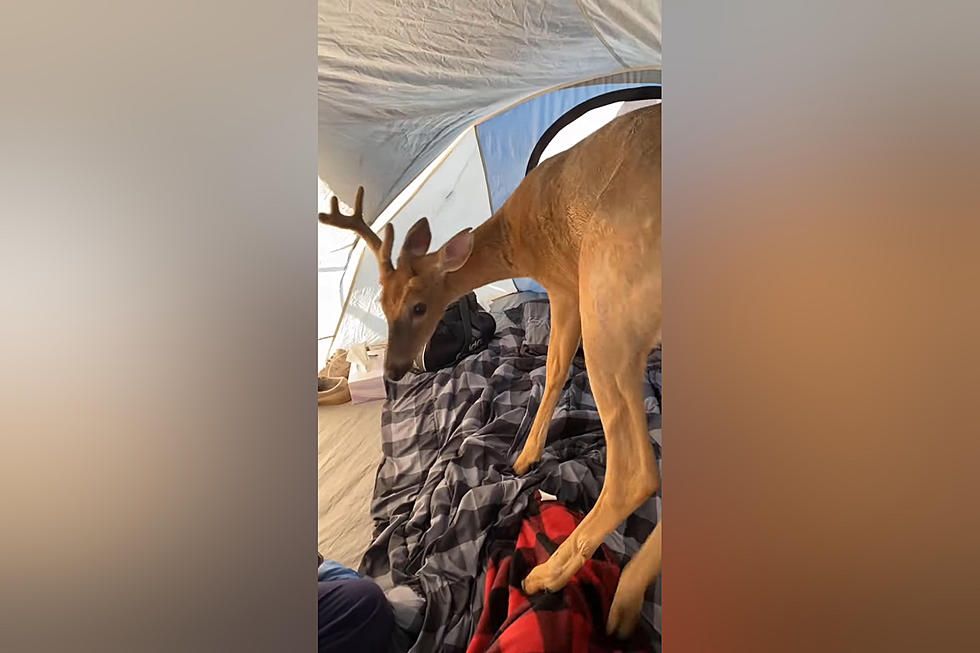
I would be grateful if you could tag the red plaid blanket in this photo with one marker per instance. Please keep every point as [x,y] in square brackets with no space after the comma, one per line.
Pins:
[570,621]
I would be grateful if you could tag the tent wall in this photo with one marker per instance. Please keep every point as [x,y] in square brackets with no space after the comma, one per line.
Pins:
[333,256]
[453,197]
[397,82]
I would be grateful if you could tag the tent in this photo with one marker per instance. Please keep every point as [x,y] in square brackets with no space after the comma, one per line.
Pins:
[440,108]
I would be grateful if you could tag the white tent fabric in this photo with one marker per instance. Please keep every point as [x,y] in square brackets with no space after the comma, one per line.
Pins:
[401,88]
[454,194]
[334,255]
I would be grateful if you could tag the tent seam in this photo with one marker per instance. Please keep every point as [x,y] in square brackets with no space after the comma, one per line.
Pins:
[483,164]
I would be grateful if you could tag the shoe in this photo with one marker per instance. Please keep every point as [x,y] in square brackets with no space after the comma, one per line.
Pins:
[336,366]
[331,382]
[336,391]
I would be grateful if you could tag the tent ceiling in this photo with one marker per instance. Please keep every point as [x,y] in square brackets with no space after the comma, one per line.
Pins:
[398,81]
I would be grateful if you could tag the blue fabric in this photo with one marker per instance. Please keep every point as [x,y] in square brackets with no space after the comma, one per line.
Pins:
[507,139]
[525,284]
[330,570]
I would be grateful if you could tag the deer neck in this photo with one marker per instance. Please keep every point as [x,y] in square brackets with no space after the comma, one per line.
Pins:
[490,261]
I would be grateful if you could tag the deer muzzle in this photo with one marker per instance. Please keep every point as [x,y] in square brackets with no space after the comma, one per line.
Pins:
[395,370]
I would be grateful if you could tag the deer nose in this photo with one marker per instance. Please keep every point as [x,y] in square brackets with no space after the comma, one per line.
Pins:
[395,372]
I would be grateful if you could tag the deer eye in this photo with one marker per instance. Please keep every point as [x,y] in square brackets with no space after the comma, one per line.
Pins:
[419,309]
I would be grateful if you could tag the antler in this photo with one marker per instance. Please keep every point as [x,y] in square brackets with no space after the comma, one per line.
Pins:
[355,222]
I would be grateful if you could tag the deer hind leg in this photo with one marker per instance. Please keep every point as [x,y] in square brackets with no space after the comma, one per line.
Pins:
[638,575]
[566,331]
[616,368]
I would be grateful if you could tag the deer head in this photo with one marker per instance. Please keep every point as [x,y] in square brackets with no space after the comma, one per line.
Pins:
[414,294]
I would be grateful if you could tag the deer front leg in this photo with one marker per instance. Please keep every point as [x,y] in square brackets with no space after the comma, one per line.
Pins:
[566,331]
[638,575]
[613,507]
[631,469]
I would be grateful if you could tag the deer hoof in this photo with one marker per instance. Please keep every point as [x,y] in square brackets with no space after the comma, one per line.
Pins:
[625,611]
[523,464]
[554,574]
[542,579]
[521,467]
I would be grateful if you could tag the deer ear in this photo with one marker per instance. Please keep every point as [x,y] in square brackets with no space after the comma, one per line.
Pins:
[417,239]
[454,254]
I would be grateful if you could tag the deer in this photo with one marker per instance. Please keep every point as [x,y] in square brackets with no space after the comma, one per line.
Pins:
[585,224]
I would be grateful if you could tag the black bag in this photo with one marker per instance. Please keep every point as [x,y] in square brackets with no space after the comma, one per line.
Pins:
[465,328]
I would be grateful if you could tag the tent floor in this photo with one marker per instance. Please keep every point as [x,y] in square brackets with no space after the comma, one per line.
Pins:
[349,451]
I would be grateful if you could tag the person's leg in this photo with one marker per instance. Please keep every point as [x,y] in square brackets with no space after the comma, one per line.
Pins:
[353,616]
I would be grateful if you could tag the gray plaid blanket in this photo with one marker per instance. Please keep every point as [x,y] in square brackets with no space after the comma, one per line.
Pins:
[445,485]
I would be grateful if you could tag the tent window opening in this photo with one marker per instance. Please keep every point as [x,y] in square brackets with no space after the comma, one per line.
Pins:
[585,118]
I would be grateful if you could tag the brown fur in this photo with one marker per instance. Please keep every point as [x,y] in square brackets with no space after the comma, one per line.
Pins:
[586,225]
